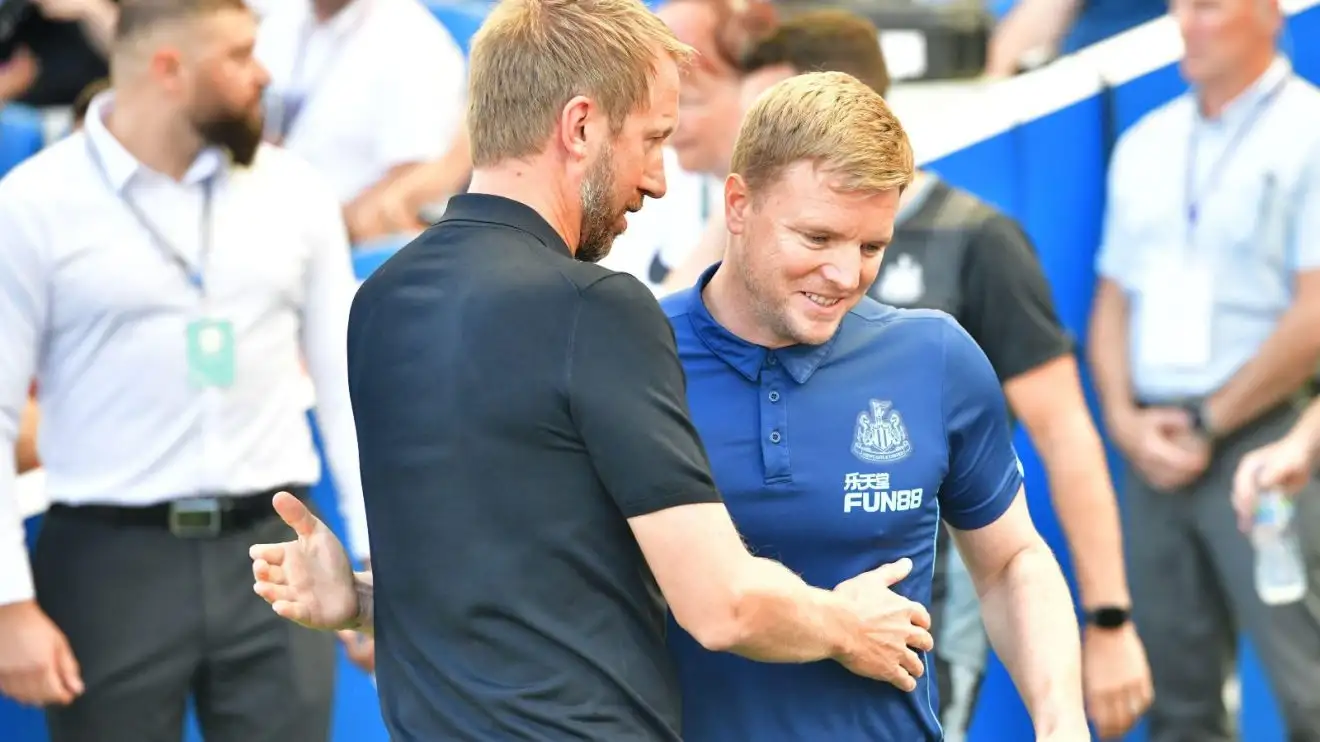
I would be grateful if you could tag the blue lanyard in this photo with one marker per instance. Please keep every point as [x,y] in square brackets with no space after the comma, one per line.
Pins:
[1193,199]
[293,102]
[194,275]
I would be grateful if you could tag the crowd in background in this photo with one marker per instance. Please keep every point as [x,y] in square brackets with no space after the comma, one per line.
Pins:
[1202,344]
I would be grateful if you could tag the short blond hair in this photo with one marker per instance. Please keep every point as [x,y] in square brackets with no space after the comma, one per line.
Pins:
[831,119]
[531,57]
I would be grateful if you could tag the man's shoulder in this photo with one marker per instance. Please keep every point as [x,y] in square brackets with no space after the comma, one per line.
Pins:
[676,305]
[873,318]
[1161,127]
[48,171]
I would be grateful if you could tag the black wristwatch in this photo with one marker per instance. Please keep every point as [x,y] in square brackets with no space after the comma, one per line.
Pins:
[1108,617]
[1200,425]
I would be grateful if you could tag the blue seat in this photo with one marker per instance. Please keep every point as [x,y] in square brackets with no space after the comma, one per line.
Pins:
[461,19]
[21,136]
[369,256]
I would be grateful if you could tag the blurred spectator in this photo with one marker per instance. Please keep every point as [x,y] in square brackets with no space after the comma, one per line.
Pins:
[56,50]
[21,136]
[690,218]
[1203,340]
[367,91]
[166,325]
[955,253]
[1035,30]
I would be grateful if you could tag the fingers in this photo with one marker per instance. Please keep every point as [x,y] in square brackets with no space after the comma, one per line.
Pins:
[921,639]
[296,612]
[68,671]
[894,572]
[1169,419]
[269,553]
[920,616]
[1115,713]
[295,514]
[360,649]
[903,681]
[1246,488]
[266,572]
[273,593]
[913,664]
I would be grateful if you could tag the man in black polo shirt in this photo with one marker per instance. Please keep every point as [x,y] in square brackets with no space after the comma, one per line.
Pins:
[534,484]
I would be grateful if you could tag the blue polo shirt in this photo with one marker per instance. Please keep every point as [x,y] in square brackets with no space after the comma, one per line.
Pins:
[834,460]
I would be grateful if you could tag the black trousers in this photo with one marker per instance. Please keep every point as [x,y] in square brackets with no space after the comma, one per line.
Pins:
[154,619]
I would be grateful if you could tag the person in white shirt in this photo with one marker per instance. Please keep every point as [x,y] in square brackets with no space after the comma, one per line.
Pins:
[368,91]
[164,277]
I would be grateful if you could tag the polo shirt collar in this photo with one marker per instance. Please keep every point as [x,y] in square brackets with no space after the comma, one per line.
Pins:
[800,361]
[120,166]
[490,209]
[1267,84]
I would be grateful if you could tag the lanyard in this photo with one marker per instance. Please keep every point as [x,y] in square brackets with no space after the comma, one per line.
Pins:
[194,275]
[1194,199]
[295,100]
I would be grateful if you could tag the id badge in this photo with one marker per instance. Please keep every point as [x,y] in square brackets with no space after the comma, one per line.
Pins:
[211,354]
[1177,309]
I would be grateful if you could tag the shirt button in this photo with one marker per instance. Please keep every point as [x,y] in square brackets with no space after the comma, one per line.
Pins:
[770,360]
[774,436]
[774,396]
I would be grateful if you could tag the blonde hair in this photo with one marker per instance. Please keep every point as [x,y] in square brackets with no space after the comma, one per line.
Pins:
[831,119]
[531,57]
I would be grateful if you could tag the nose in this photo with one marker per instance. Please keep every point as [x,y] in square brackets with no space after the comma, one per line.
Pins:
[844,271]
[653,179]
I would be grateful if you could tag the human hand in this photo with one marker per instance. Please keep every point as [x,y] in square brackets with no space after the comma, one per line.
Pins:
[1116,678]
[360,648]
[17,74]
[308,581]
[382,214]
[37,666]
[892,627]
[1160,442]
[1284,465]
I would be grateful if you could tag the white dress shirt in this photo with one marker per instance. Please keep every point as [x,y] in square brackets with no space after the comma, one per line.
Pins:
[97,311]
[379,85]
[668,230]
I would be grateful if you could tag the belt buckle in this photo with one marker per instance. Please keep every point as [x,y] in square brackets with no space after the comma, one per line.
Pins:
[197,517]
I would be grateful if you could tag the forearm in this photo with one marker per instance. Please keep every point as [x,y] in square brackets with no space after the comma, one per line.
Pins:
[98,25]
[26,452]
[364,586]
[1307,429]
[1108,354]
[779,618]
[1087,509]
[1283,365]
[1031,624]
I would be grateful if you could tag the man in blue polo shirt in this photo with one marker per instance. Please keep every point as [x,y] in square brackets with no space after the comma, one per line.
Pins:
[840,432]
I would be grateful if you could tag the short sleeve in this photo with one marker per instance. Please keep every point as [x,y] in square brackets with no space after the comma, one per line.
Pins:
[984,472]
[1111,258]
[628,399]
[1305,227]
[1008,309]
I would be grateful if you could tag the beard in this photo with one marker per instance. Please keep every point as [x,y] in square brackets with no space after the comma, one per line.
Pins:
[239,134]
[599,214]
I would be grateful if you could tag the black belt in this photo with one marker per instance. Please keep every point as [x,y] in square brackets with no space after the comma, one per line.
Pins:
[200,517]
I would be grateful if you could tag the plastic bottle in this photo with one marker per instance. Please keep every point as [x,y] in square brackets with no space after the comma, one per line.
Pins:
[1280,566]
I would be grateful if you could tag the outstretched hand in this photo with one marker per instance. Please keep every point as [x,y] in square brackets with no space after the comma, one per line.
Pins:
[308,581]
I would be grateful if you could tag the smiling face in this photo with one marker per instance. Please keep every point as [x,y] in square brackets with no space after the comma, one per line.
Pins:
[806,250]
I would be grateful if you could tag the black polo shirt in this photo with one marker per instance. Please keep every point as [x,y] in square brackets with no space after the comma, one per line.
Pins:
[514,407]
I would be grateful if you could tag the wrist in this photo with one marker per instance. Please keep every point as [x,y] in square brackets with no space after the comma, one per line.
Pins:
[1107,617]
[1119,419]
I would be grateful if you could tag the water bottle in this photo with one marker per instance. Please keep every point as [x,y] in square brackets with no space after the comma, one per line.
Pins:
[1280,568]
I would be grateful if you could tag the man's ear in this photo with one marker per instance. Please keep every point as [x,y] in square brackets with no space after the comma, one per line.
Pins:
[737,203]
[574,120]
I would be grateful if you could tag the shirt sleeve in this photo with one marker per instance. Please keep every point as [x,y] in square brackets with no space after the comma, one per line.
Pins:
[627,396]
[984,472]
[331,285]
[1110,258]
[1305,228]
[24,303]
[1008,309]
[422,112]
